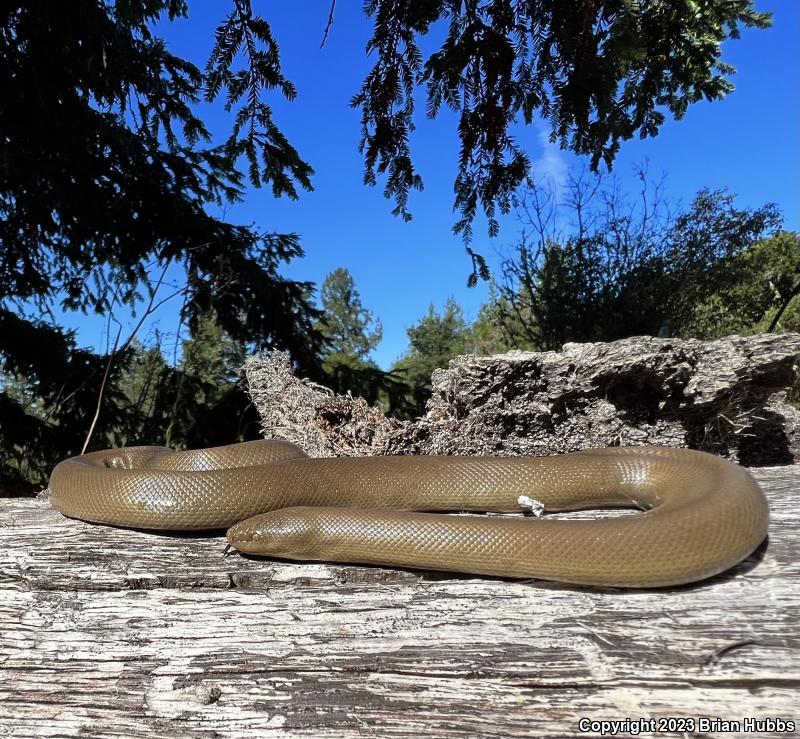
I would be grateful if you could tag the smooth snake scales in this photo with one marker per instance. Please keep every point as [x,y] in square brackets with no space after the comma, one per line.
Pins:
[703,514]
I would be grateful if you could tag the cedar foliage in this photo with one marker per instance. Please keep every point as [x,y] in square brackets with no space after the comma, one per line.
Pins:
[597,72]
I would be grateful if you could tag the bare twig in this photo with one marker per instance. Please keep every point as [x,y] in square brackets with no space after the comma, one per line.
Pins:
[328,24]
[102,392]
[151,307]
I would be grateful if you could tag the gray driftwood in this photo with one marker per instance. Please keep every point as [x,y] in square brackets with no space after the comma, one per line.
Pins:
[725,396]
[108,632]
[112,633]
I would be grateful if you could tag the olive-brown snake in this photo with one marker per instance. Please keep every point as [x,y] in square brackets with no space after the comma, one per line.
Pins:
[703,514]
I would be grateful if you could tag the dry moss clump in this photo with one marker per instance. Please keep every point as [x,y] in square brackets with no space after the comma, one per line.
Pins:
[320,422]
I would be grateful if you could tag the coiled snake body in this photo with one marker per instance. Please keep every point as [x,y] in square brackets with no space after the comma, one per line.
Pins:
[703,514]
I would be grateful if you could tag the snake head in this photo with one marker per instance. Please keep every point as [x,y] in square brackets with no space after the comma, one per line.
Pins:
[290,533]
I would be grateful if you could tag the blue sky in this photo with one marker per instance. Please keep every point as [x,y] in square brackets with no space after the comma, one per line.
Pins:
[747,143]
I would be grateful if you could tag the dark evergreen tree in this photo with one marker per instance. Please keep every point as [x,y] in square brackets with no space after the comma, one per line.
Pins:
[433,342]
[351,333]
[350,329]
[107,171]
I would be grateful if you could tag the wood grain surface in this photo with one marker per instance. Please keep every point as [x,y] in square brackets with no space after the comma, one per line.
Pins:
[114,633]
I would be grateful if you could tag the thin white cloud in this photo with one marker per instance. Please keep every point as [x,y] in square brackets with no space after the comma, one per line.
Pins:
[549,168]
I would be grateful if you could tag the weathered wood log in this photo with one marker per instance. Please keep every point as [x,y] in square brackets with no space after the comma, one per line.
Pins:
[727,397]
[109,632]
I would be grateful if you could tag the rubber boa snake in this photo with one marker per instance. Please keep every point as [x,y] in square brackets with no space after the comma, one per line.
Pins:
[702,514]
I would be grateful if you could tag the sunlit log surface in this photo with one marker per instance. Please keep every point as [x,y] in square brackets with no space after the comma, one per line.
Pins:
[108,632]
